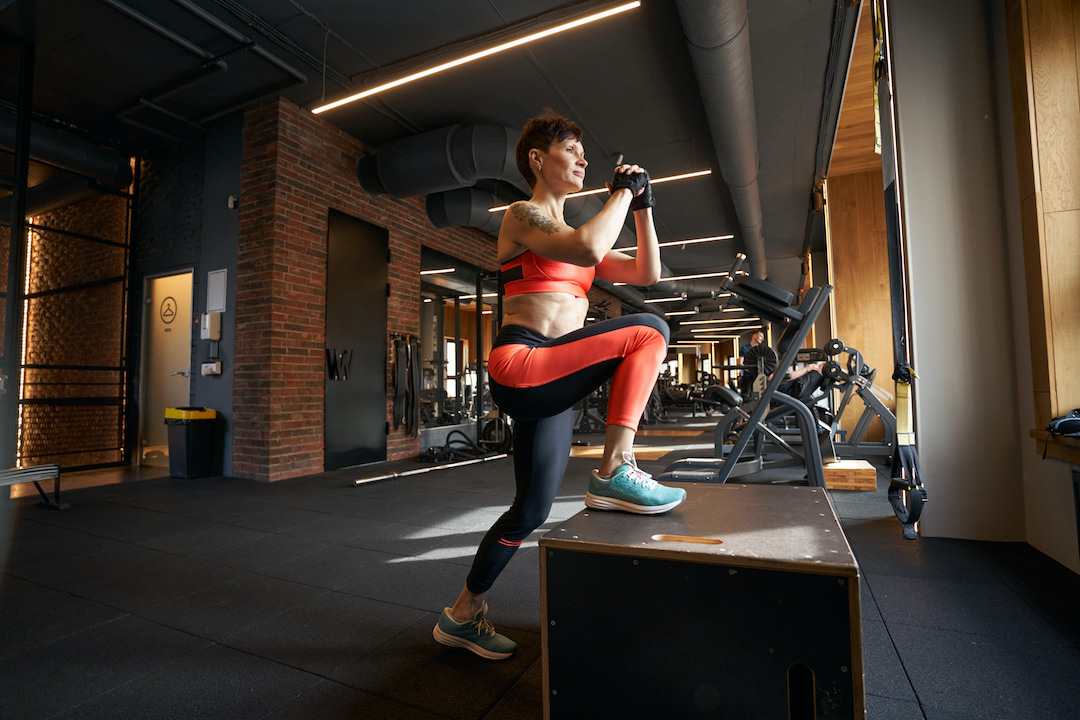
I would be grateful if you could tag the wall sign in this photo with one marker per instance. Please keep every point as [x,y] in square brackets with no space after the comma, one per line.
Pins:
[167,310]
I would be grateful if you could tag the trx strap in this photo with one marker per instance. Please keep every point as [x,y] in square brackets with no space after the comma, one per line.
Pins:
[906,493]
[412,422]
[400,381]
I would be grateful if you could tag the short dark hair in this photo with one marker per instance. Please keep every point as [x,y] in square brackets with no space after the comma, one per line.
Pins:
[541,132]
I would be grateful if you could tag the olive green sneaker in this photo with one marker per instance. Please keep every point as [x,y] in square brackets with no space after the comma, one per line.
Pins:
[631,489]
[477,635]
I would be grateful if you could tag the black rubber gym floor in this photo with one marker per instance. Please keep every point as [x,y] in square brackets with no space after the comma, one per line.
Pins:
[314,598]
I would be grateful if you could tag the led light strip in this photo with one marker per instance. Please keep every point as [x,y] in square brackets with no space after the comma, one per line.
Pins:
[473,297]
[25,337]
[678,298]
[717,320]
[714,238]
[657,181]
[437,272]
[726,329]
[720,337]
[690,277]
[681,312]
[476,56]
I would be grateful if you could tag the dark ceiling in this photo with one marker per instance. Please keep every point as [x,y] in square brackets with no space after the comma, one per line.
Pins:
[627,80]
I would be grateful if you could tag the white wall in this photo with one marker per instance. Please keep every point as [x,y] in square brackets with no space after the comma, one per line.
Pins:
[1048,501]
[966,395]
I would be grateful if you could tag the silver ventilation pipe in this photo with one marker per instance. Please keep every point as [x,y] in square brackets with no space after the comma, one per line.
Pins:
[52,195]
[64,151]
[718,38]
[464,207]
[441,160]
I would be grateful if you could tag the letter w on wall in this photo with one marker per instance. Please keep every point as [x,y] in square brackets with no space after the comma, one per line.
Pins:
[338,363]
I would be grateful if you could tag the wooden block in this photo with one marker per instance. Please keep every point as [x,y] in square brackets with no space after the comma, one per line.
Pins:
[641,452]
[743,602]
[850,475]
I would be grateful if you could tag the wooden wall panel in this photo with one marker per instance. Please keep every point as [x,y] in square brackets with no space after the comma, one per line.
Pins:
[1044,68]
[860,270]
[1062,236]
[1022,102]
[1037,299]
[856,135]
[1057,105]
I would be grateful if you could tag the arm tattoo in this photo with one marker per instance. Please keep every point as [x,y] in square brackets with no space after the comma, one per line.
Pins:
[524,212]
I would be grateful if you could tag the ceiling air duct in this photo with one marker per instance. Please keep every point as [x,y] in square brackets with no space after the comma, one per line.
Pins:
[109,168]
[718,38]
[453,157]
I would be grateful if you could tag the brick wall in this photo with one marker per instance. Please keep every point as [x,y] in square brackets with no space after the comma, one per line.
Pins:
[82,327]
[611,305]
[295,167]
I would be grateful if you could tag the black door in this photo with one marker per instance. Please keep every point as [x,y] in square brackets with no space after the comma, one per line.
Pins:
[356,277]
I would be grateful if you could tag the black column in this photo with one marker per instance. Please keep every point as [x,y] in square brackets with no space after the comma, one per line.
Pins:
[356,306]
[13,288]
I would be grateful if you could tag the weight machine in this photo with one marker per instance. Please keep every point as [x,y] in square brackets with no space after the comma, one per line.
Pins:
[772,304]
[853,379]
[857,380]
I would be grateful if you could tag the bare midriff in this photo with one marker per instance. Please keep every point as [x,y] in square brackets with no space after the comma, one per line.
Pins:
[552,314]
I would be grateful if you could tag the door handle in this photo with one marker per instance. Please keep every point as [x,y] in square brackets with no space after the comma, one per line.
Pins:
[185,373]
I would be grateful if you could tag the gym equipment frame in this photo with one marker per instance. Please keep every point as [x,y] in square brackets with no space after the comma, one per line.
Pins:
[772,304]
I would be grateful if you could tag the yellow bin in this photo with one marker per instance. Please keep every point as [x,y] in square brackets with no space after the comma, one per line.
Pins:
[191,441]
[190,413]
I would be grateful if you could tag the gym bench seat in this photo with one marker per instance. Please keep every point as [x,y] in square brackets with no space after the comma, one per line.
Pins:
[37,474]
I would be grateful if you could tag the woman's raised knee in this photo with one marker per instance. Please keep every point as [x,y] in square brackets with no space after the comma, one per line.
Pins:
[652,321]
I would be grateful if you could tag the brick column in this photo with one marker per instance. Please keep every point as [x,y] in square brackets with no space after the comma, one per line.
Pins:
[295,167]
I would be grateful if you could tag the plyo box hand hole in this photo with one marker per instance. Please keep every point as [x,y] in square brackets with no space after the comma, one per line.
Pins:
[688,539]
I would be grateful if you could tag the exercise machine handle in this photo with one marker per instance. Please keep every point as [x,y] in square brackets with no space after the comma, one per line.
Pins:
[740,258]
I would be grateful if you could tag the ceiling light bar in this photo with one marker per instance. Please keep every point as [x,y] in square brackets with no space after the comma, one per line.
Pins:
[473,297]
[690,277]
[681,312]
[725,329]
[720,337]
[717,320]
[672,243]
[477,55]
[677,298]
[657,181]
[440,271]
[694,277]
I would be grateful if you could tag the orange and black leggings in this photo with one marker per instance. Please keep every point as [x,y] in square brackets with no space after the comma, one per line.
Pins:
[537,381]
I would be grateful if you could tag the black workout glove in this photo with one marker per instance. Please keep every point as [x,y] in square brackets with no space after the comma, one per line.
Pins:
[645,199]
[633,182]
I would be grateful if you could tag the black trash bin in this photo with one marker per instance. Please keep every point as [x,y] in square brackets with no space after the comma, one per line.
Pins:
[191,441]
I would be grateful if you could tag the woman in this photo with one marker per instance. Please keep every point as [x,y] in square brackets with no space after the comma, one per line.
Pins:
[544,361]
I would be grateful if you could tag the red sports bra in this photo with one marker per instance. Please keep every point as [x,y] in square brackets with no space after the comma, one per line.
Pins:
[530,273]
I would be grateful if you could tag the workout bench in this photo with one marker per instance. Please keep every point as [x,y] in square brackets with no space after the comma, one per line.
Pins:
[37,475]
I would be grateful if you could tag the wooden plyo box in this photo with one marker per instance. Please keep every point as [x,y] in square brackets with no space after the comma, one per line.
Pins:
[850,475]
[741,603]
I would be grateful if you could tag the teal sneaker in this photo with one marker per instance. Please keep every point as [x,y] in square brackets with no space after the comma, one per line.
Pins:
[477,635]
[631,489]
